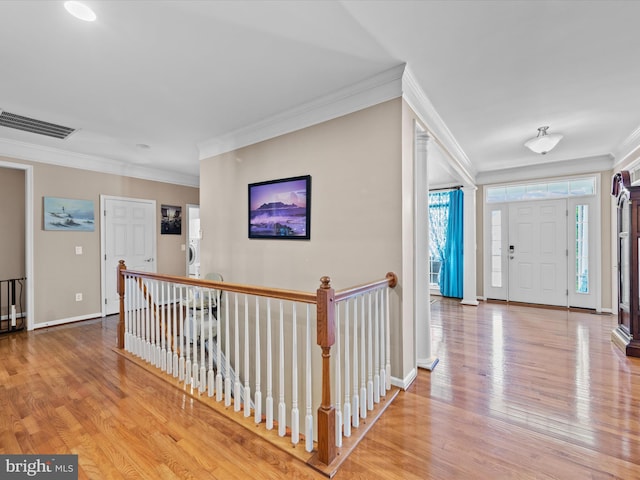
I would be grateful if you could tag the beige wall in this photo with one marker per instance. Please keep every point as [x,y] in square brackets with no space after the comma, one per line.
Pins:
[356,203]
[58,272]
[12,233]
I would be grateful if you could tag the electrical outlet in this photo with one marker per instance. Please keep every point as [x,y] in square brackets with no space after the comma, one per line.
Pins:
[78,297]
[78,250]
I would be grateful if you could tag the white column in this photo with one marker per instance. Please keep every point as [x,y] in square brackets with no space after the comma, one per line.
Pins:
[422,296]
[469,287]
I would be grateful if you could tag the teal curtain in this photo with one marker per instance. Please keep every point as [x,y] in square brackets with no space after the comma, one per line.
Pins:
[452,271]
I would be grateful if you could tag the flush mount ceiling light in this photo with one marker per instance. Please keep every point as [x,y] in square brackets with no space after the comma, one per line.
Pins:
[80,10]
[544,142]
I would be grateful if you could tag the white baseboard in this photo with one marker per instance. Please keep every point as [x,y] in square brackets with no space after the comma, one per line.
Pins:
[405,382]
[62,321]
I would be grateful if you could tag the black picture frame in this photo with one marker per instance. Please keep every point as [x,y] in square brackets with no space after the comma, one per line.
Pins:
[280,209]
[170,220]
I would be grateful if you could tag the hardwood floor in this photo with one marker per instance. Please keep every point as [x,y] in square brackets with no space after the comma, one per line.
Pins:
[519,393]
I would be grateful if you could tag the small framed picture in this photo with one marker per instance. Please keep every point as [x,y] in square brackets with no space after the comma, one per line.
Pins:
[171,220]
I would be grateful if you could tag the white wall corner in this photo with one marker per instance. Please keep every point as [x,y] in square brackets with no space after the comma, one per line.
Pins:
[384,86]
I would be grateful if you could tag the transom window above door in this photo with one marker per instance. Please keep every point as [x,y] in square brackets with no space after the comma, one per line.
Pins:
[575,187]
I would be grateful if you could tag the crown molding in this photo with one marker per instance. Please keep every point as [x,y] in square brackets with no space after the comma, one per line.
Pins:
[65,158]
[576,166]
[628,147]
[384,86]
[417,99]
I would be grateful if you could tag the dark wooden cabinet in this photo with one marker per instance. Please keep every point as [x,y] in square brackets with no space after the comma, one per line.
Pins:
[627,334]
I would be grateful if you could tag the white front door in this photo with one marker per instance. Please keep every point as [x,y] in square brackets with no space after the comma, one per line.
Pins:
[129,234]
[537,252]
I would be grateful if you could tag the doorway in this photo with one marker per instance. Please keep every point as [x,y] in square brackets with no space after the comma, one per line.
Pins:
[20,260]
[193,235]
[128,229]
[543,251]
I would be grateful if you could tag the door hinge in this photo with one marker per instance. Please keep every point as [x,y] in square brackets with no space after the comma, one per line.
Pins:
[105,301]
[567,292]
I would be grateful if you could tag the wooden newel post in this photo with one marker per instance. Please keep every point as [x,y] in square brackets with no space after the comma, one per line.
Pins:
[326,338]
[120,284]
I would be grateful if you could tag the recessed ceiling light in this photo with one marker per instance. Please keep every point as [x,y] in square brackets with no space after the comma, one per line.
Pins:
[80,10]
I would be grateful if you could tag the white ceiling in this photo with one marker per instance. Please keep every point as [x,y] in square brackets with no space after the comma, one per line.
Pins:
[177,75]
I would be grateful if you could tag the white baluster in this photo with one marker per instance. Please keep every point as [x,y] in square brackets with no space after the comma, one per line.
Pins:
[347,381]
[376,343]
[163,328]
[388,339]
[236,385]
[355,400]
[247,389]
[210,377]
[176,334]
[269,399]
[181,360]
[152,321]
[369,354]
[383,336]
[194,339]
[187,340]
[308,430]
[227,353]
[127,312]
[363,362]
[258,395]
[295,414]
[203,369]
[338,405]
[170,306]
[157,320]
[219,349]
[134,316]
[150,327]
[282,422]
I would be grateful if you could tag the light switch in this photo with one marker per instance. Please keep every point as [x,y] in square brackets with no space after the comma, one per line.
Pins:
[78,250]
[183,247]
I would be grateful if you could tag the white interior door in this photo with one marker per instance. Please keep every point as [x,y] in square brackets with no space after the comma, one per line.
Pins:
[129,234]
[537,252]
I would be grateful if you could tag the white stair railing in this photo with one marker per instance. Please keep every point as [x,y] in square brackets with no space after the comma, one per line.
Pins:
[191,330]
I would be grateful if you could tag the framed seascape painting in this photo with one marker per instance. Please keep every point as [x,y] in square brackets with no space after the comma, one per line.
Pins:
[67,215]
[280,209]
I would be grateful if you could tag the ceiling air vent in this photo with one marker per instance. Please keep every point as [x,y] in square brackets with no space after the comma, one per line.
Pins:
[32,125]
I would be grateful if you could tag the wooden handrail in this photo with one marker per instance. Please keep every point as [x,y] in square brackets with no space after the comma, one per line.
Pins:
[390,279]
[279,293]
